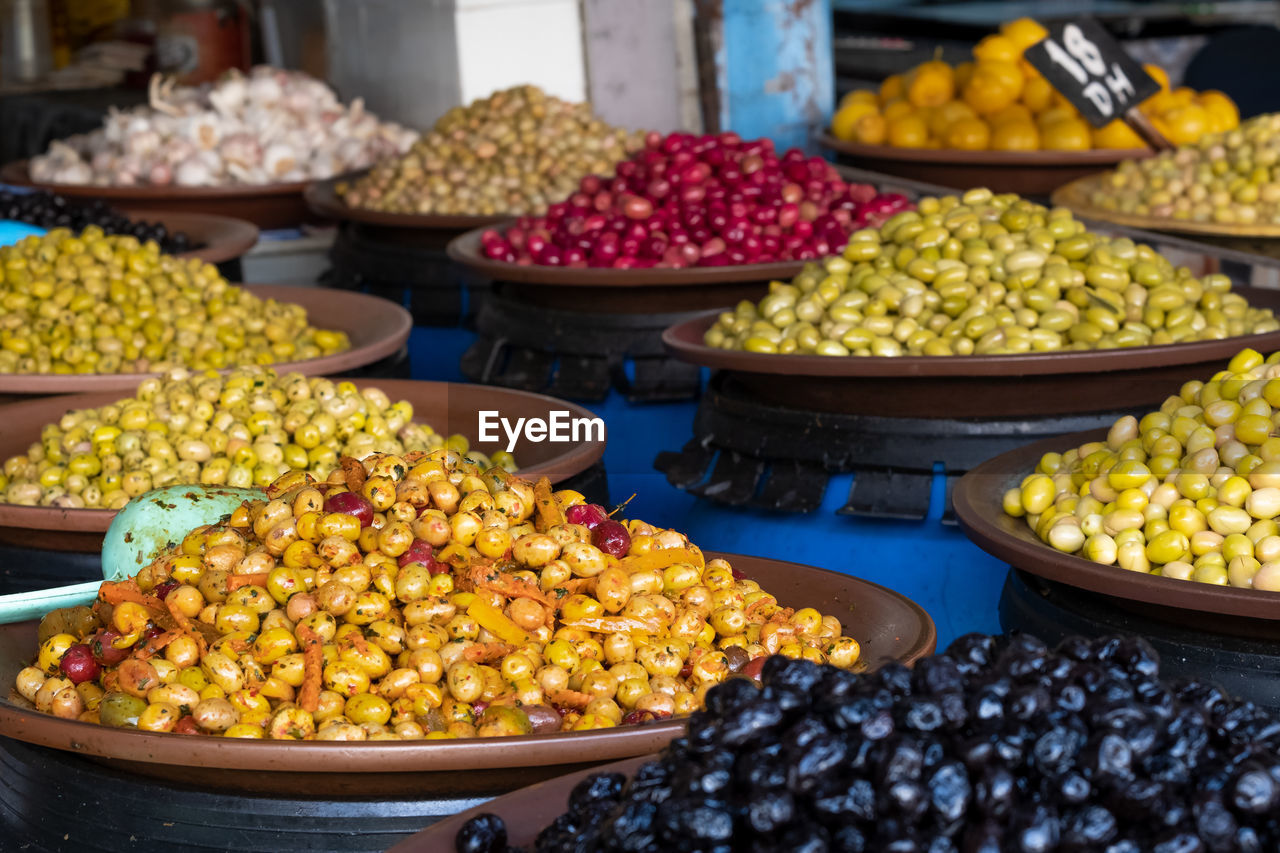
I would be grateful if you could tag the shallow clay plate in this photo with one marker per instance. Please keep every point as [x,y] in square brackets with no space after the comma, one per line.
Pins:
[525,812]
[888,625]
[447,407]
[323,199]
[975,386]
[267,206]
[1026,172]
[465,249]
[977,501]
[377,328]
[217,238]
[1075,196]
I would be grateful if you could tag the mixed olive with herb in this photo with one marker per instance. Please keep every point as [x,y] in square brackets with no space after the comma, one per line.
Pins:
[244,428]
[96,303]
[984,274]
[416,596]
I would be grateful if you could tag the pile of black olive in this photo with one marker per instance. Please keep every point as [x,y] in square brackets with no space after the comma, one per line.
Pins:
[47,210]
[998,744]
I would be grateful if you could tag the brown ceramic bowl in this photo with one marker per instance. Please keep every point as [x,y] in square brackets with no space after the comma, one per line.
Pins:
[323,199]
[1023,172]
[889,626]
[972,386]
[465,249]
[377,328]
[267,206]
[525,812]
[1075,196]
[446,406]
[977,501]
[219,238]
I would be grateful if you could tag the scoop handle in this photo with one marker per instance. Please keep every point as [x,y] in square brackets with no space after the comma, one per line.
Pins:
[21,606]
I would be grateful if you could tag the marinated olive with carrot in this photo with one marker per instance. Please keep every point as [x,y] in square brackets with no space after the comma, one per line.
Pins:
[416,596]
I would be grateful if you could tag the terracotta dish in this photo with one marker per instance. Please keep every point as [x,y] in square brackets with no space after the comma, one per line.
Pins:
[323,199]
[889,626]
[465,249]
[1075,196]
[267,206]
[525,812]
[1023,172]
[218,238]
[976,385]
[977,502]
[377,328]
[446,406]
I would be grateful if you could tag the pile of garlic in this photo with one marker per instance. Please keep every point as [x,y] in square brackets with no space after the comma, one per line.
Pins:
[269,126]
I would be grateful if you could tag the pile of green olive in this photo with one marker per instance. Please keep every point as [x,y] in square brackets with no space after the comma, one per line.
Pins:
[984,274]
[1191,491]
[514,152]
[93,303]
[1230,178]
[240,429]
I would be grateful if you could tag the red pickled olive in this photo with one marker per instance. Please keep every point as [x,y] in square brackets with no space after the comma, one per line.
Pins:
[612,538]
[186,726]
[588,515]
[754,667]
[419,552]
[78,664]
[104,652]
[351,504]
[162,590]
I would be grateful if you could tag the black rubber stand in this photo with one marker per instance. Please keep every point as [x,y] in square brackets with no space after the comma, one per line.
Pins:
[746,453]
[1246,666]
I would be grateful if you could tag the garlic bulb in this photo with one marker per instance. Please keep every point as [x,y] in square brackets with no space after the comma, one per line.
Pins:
[265,127]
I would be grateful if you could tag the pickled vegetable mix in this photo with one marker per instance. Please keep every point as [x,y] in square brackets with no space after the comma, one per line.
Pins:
[984,274]
[242,429]
[1190,492]
[93,303]
[415,596]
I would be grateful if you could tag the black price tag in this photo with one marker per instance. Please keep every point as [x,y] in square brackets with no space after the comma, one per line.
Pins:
[1083,62]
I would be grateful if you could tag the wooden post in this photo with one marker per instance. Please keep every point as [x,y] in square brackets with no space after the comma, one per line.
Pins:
[1143,127]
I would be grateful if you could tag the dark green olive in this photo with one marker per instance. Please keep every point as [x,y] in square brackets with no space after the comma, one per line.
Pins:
[121,710]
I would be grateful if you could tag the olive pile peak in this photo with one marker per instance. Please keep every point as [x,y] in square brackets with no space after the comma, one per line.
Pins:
[95,303]
[415,596]
[514,152]
[984,274]
[1191,491]
[245,428]
[1230,178]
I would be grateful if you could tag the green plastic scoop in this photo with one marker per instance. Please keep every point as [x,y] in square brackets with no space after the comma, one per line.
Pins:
[147,525]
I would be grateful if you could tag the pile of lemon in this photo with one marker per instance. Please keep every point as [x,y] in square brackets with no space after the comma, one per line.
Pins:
[1000,102]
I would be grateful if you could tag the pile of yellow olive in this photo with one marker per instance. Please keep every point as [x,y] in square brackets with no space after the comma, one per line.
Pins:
[93,303]
[244,428]
[1191,491]
[984,274]
[414,596]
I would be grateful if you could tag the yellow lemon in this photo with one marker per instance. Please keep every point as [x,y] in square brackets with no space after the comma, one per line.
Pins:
[1117,134]
[897,109]
[1013,112]
[1023,32]
[892,88]
[1037,94]
[968,134]
[931,84]
[1015,136]
[843,122]
[1222,110]
[1068,134]
[996,48]
[1160,75]
[1187,124]
[908,131]
[871,129]
[867,95]
[988,91]
[963,73]
[946,115]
